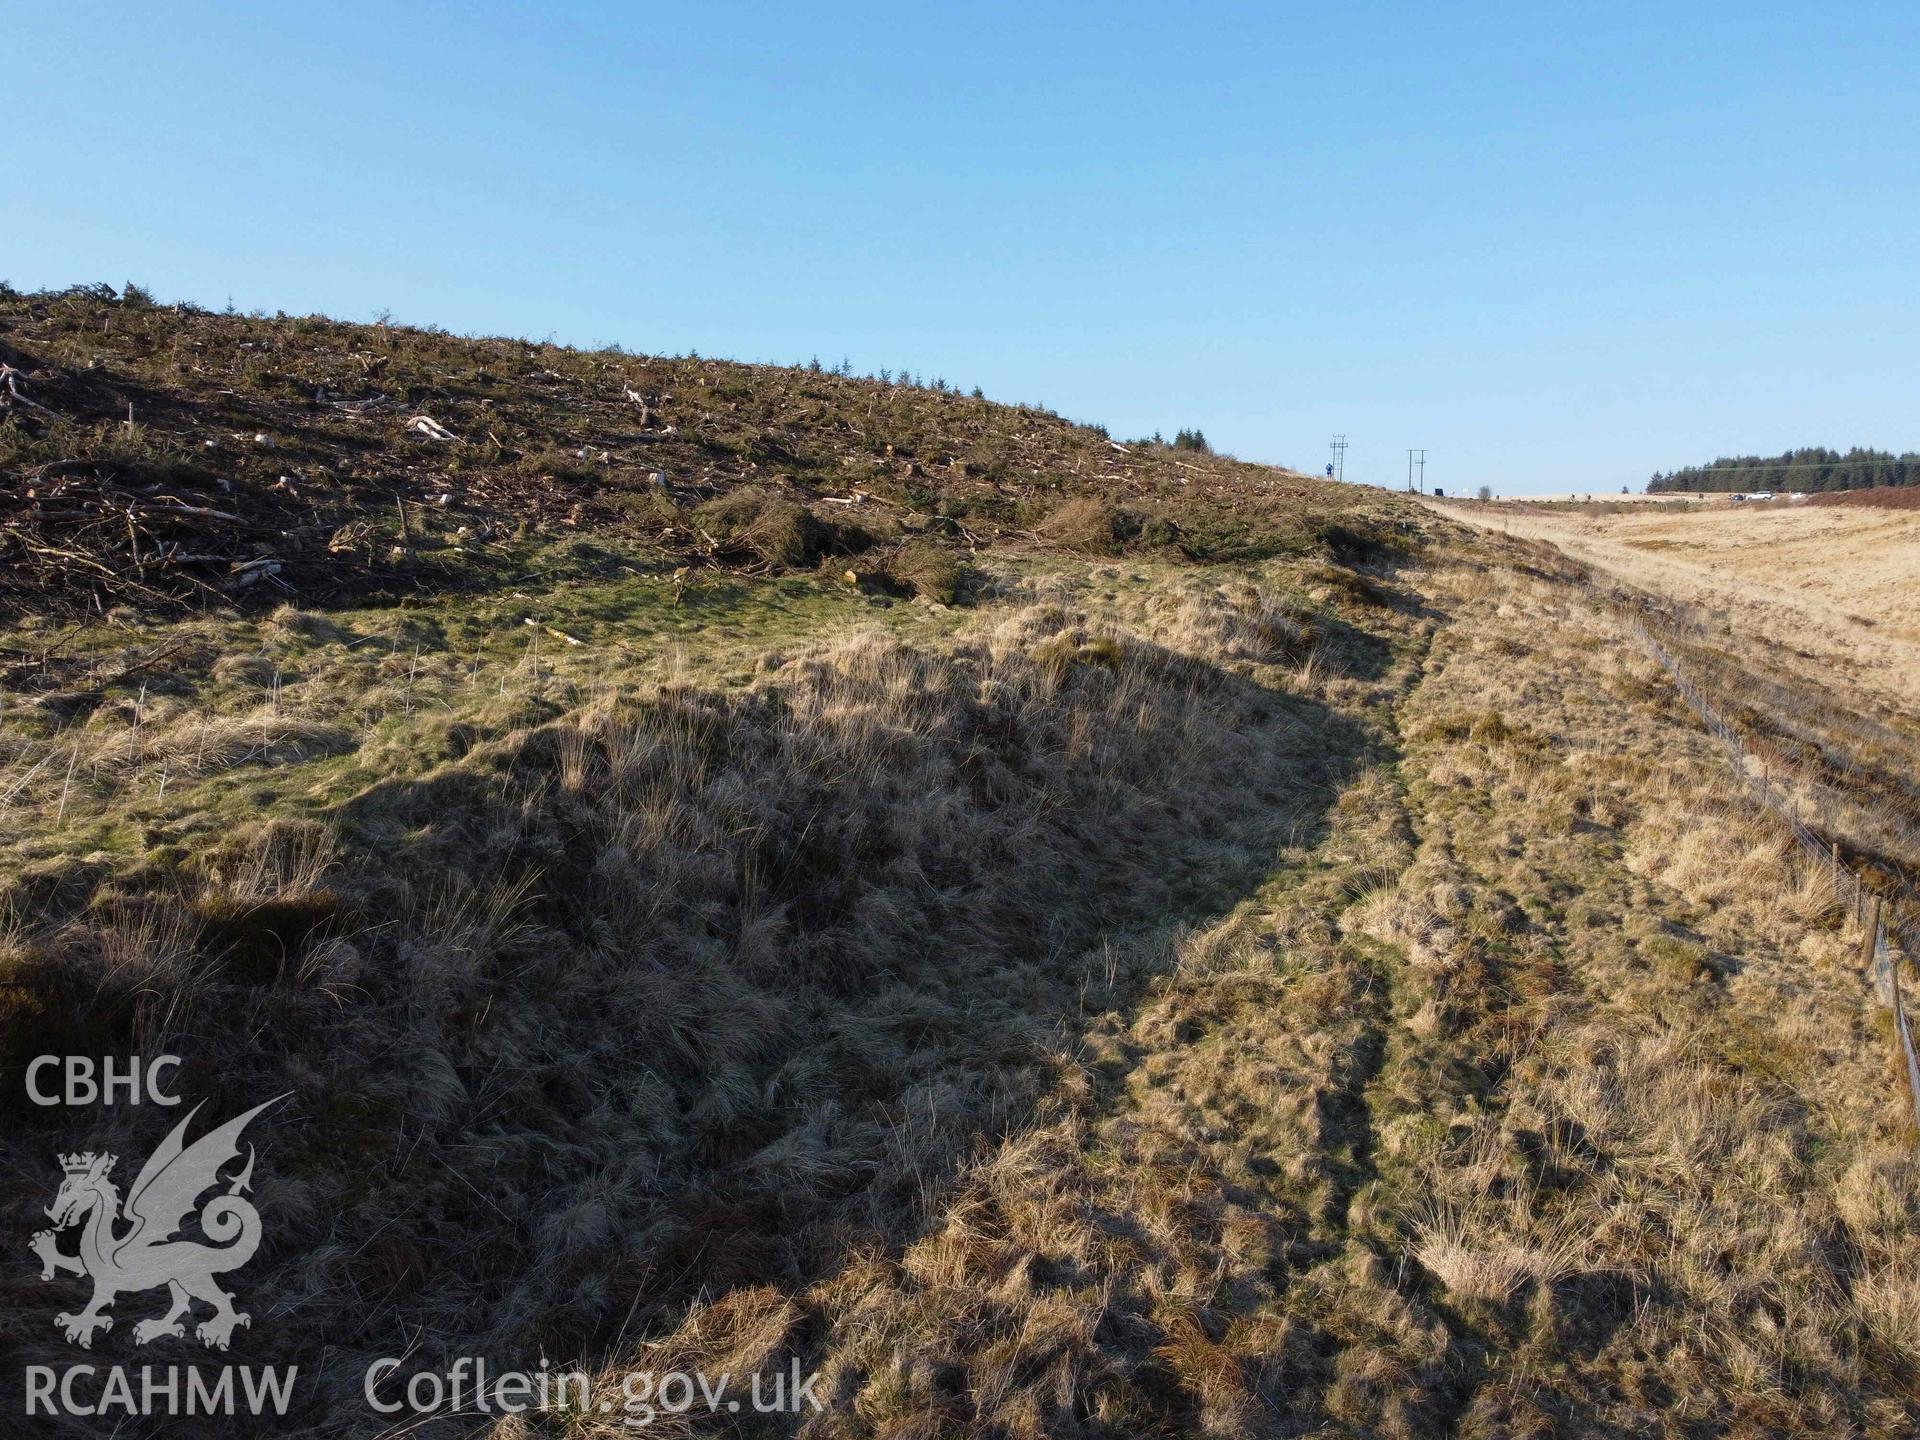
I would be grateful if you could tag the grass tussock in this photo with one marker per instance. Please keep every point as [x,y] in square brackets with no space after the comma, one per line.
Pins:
[1242,621]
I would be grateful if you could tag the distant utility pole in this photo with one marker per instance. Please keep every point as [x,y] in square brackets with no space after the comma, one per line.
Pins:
[1422,462]
[1339,457]
[1409,470]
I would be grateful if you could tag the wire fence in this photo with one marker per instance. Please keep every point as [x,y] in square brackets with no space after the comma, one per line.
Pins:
[1882,923]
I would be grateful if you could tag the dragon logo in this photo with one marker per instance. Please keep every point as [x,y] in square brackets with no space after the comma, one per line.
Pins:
[144,1255]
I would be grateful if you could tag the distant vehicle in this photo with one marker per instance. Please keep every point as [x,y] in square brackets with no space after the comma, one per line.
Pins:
[1438,491]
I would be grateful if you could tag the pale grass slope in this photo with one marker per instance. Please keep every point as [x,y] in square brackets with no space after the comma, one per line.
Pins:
[1836,589]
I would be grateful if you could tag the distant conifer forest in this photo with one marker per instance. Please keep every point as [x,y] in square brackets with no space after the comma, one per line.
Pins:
[1809,469]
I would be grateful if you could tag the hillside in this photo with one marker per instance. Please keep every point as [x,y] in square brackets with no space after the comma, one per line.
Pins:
[1052,937]
[161,455]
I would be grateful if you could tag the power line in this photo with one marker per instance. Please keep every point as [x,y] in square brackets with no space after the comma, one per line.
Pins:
[1339,448]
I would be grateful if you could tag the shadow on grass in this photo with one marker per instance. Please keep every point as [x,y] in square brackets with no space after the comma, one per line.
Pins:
[698,991]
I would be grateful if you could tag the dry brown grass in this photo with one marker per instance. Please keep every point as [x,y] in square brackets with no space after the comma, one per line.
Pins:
[1511,1113]
[1334,995]
[709,985]
[1827,594]
[1687,1054]
[1522,1108]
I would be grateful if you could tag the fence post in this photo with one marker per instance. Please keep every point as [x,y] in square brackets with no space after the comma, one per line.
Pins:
[1873,939]
[1905,1036]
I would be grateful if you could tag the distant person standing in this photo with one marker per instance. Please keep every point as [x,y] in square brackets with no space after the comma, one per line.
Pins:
[1329,470]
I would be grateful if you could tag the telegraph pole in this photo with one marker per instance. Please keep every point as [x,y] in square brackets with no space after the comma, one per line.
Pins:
[1409,470]
[1423,472]
[1339,448]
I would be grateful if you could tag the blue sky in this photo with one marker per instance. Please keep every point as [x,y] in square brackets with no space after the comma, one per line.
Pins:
[1559,246]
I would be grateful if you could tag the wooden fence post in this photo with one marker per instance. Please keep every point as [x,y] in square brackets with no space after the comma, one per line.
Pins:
[1905,1036]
